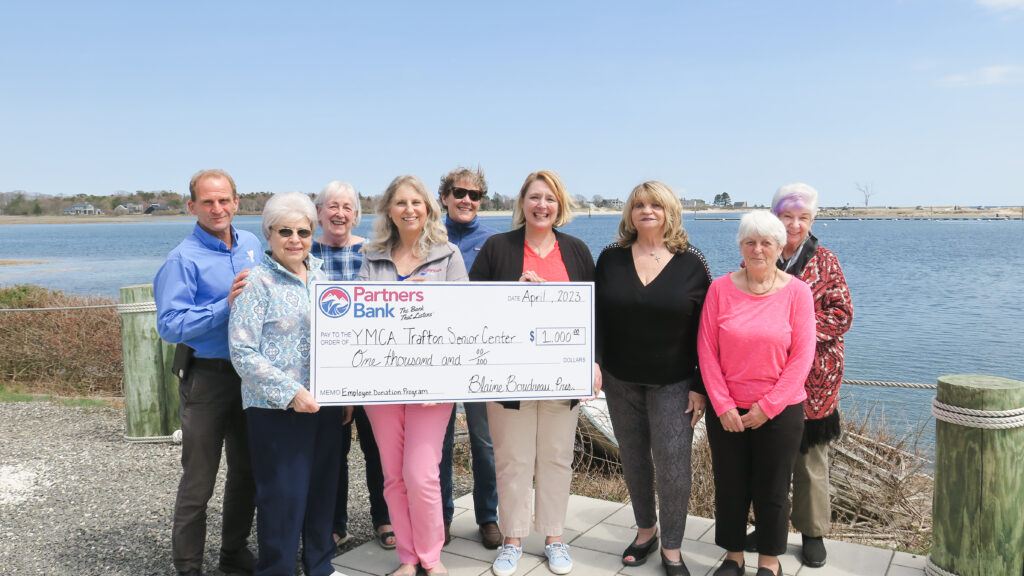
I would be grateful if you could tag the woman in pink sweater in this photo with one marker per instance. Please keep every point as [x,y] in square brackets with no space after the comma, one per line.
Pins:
[756,345]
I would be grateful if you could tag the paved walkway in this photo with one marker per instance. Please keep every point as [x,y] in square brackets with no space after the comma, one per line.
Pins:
[597,531]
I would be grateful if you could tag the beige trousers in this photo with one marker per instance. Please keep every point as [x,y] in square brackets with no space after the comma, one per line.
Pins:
[812,514]
[533,445]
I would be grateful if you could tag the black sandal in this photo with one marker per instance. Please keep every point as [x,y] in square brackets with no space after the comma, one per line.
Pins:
[382,540]
[639,552]
[674,568]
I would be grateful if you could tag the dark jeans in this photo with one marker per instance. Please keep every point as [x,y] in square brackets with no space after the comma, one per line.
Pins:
[485,486]
[374,474]
[211,420]
[294,457]
[754,466]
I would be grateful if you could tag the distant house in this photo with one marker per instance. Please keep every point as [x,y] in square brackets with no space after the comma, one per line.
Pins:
[82,208]
[128,208]
[156,209]
[614,204]
[739,204]
[693,203]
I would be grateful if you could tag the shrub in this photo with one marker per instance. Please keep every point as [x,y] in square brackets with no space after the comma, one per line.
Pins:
[66,352]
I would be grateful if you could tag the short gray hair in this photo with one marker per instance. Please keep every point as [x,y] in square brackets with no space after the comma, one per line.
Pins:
[288,206]
[337,187]
[761,224]
[796,196]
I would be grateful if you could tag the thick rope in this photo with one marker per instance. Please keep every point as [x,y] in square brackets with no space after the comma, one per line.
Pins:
[136,307]
[970,418]
[890,384]
[58,308]
[932,569]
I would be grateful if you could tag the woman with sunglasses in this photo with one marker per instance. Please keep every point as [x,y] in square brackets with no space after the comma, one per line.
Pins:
[293,442]
[410,245]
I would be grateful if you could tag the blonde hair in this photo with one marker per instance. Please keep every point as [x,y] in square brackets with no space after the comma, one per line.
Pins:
[565,202]
[386,235]
[672,230]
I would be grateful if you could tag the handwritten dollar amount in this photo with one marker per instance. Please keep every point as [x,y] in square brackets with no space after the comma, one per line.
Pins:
[558,336]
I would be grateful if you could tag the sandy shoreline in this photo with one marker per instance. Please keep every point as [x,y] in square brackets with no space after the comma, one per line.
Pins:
[906,212]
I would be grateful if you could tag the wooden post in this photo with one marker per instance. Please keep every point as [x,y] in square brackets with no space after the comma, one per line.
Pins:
[978,507]
[150,390]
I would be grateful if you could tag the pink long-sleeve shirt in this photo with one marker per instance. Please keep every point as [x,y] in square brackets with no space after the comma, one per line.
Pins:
[756,348]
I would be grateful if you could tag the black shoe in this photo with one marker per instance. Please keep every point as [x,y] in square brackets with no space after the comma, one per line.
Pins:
[814,551]
[750,544]
[241,562]
[768,572]
[674,568]
[730,568]
[191,573]
[636,554]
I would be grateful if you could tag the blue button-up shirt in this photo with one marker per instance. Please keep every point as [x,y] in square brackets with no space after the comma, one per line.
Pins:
[191,289]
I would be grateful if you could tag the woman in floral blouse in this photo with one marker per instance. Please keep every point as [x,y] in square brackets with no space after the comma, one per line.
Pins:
[293,442]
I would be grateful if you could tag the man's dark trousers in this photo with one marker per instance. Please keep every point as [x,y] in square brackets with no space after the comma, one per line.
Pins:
[212,419]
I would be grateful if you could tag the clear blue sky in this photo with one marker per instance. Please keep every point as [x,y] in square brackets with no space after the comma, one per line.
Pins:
[924,99]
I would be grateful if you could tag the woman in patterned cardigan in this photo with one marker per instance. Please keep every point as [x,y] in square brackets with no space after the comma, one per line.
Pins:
[797,205]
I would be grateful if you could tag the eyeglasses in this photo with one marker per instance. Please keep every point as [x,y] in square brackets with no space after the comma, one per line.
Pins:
[474,195]
[287,232]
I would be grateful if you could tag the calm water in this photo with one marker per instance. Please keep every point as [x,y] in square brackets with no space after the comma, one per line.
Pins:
[930,298]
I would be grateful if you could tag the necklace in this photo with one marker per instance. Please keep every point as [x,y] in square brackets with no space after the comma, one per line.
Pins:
[750,285]
[655,256]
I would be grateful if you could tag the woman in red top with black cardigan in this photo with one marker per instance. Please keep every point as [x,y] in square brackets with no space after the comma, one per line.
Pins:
[537,434]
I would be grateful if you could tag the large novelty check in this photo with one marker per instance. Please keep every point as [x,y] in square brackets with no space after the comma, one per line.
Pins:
[402,342]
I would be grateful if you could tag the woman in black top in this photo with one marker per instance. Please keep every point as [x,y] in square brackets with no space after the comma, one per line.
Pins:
[650,290]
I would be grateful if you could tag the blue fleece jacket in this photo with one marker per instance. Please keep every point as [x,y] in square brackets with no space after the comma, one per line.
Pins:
[468,237]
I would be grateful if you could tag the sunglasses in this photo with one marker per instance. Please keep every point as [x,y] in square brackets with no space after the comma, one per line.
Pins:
[474,195]
[287,232]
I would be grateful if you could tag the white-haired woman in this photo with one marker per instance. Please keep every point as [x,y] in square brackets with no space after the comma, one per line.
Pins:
[756,344]
[338,211]
[293,444]
[650,290]
[796,205]
[411,244]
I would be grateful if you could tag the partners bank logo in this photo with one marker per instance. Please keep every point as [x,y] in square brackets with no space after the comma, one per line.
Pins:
[366,302]
[335,302]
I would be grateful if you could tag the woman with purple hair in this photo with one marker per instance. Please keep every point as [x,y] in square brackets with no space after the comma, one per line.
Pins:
[796,205]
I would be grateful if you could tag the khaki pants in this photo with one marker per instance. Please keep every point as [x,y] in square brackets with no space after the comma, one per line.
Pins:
[533,444]
[812,514]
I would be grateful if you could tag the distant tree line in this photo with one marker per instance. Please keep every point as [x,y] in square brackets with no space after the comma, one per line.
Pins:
[22,203]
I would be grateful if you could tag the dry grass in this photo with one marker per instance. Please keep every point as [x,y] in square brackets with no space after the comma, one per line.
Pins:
[64,352]
[882,487]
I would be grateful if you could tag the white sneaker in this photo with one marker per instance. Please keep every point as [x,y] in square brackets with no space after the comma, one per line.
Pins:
[559,560]
[507,561]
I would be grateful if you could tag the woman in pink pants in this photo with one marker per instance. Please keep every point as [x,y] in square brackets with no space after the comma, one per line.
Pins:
[411,244]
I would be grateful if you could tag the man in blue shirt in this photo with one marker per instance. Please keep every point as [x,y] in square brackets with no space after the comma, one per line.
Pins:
[461,192]
[191,290]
